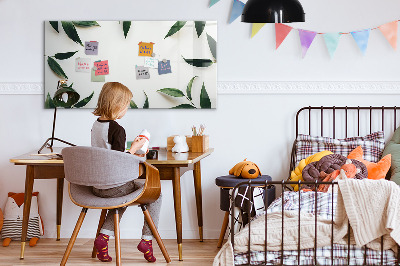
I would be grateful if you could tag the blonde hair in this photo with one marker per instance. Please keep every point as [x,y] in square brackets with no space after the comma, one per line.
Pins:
[113,98]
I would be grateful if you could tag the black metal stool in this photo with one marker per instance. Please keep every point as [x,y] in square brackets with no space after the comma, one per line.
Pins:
[226,183]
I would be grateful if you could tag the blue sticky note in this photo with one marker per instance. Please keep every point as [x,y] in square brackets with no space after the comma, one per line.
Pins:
[164,68]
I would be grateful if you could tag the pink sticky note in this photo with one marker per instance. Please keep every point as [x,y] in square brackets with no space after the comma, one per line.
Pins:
[101,68]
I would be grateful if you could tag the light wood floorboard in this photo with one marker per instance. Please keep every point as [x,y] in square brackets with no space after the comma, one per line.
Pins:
[50,252]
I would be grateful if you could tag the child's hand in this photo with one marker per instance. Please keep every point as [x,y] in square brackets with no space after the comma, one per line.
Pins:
[137,144]
[143,155]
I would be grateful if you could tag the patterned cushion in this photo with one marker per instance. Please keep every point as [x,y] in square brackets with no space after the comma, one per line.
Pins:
[372,144]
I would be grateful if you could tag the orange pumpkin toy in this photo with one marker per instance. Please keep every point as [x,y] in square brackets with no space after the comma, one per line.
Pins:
[245,169]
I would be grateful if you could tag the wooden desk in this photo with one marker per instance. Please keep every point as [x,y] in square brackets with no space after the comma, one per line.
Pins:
[171,167]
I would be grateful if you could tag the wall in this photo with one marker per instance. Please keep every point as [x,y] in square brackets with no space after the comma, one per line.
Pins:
[257,126]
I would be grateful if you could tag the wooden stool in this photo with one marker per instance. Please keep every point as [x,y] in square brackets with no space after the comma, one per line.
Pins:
[226,183]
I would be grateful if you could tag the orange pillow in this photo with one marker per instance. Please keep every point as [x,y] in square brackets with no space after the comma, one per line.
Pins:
[375,170]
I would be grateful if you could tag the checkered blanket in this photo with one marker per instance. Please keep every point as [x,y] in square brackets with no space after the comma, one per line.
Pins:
[324,206]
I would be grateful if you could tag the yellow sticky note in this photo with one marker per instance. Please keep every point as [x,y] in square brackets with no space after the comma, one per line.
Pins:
[145,48]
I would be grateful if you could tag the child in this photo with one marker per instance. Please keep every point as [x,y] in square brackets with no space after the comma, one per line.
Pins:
[113,102]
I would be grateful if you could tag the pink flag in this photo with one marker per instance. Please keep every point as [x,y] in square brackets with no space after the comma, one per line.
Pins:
[306,39]
[281,31]
[389,30]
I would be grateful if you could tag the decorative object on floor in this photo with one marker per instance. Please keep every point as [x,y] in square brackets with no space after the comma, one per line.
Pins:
[12,224]
[273,11]
[180,144]
[375,170]
[393,148]
[245,169]
[167,53]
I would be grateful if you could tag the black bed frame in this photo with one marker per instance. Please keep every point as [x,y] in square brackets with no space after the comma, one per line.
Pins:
[333,112]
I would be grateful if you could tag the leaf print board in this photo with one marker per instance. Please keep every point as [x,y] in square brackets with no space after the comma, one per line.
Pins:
[130,52]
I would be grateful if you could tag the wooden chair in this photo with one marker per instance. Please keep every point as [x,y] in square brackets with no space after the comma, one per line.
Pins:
[85,167]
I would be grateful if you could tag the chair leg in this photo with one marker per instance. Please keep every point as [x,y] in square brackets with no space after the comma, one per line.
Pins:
[223,229]
[101,222]
[117,239]
[154,230]
[73,237]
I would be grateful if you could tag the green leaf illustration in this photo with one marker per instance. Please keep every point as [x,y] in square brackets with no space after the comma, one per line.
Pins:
[199,62]
[56,68]
[83,102]
[204,99]
[126,25]
[184,106]
[189,88]
[48,103]
[70,30]
[62,56]
[85,24]
[175,28]
[146,102]
[213,45]
[199,25]
[172,92]
[54,24]
[133,105]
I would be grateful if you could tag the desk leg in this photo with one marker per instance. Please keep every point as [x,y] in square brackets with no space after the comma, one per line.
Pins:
[176,183]
[27,206]
[199,204]
[60,190]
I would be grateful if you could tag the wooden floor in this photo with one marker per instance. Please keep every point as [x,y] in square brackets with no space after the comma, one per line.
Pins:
[50,252]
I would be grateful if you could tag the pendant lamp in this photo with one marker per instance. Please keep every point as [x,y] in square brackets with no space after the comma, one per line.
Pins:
[272,11]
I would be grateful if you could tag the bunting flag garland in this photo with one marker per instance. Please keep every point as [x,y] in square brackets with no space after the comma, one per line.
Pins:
[237,8]
[389,30]
[306,39]
[281,31]
[332,41]
[361,37]
[256,27]
[213,2]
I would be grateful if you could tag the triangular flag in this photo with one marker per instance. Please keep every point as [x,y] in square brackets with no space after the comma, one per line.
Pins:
[361,37]
[332,41]
[390,32]
[306,39]
[281,31]
[237,9]
[213,2]
[256,27]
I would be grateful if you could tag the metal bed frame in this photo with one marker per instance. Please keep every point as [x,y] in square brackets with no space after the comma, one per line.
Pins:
[283,184]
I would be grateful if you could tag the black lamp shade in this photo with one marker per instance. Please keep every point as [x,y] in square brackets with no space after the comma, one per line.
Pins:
[73,97]
[273,11]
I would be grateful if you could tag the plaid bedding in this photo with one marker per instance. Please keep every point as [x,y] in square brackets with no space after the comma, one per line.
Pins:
[322,207]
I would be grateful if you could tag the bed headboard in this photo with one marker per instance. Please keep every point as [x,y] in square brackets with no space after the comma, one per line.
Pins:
[344,121]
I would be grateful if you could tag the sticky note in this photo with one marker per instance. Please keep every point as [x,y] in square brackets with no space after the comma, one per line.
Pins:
[151,62]
[82,64]
[142,72]
[91,48]
[101,67]
[164,67]
[145,48]
[94,78]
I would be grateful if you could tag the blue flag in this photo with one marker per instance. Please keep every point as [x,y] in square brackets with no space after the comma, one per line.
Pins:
[361,37]
[237,9]
[332,41]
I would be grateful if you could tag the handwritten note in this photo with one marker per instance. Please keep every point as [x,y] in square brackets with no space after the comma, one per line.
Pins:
[145,48]
[151,62]
[164,67]
[91,48]
[142,72]
[82,64]
[101,67]
[95,78]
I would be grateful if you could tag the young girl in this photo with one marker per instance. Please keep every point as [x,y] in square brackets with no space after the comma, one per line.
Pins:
[113,102]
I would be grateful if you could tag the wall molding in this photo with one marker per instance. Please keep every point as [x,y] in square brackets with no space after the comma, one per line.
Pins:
[260,87]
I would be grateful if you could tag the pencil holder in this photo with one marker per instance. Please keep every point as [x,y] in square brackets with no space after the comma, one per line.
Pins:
[200,143]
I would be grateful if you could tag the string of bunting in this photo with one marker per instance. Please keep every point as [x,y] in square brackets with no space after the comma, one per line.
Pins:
[361,37]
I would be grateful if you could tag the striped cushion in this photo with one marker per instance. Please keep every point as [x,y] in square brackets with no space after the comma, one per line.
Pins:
[13,228]
[372,145]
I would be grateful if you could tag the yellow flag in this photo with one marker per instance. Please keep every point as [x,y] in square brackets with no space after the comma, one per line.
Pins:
[255,28]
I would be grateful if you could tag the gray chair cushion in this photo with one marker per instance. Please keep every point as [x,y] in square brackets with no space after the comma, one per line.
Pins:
[83,195]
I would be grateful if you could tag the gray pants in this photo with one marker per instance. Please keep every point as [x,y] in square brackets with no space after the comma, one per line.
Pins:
[154,208]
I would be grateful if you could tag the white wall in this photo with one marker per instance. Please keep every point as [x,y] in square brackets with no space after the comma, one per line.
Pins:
[259,127]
